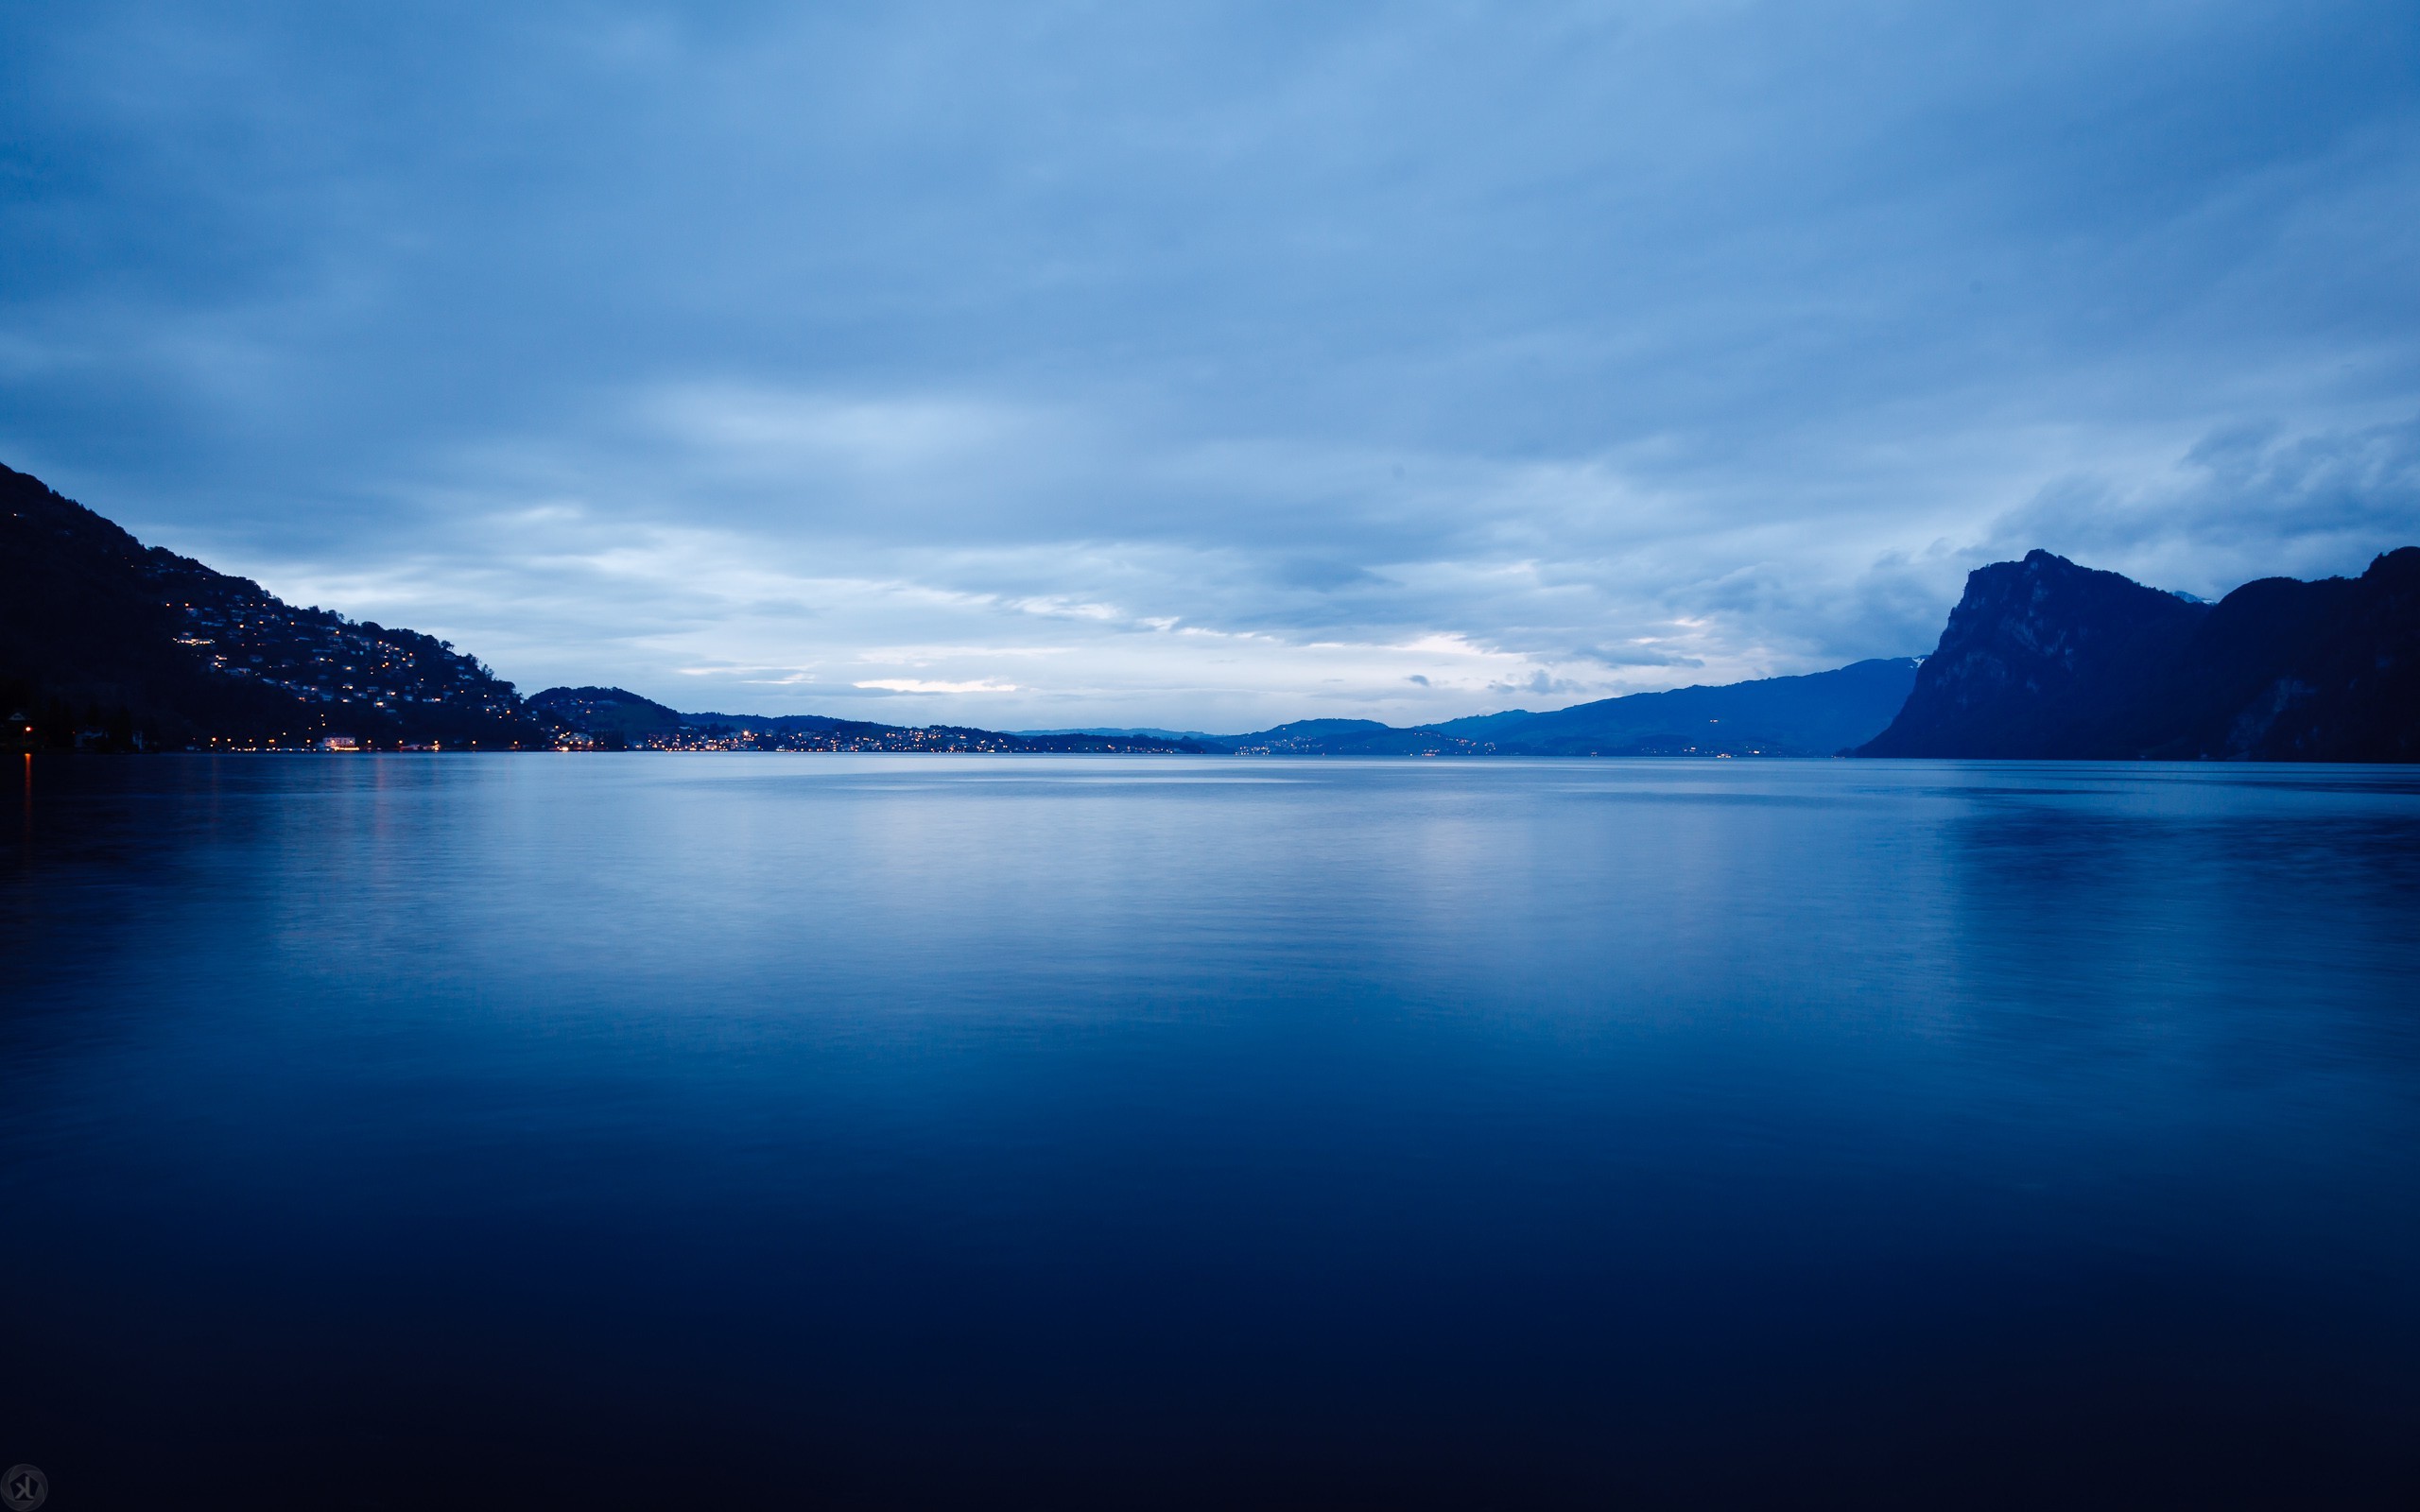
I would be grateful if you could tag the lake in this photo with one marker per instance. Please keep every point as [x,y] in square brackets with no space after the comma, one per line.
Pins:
[731,1131]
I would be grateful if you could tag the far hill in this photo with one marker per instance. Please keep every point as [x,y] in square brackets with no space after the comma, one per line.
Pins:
[1144,731]
[626,717]
[1346,737]
[1822,713]
[615,719]
[2043,658]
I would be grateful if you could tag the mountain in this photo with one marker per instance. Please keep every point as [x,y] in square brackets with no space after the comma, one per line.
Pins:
[2043,658]
[614,719]
[1138,731]
[1818,715]
[107,642]
[1822,713]
[1345,737]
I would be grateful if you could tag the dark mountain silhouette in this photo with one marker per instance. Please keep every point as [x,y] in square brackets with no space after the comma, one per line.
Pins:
[105,641]
[2043,658]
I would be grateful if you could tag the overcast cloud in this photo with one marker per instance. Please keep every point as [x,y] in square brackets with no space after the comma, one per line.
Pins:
[1208,366]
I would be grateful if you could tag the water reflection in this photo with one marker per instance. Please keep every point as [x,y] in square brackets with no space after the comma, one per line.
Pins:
[1167,1131]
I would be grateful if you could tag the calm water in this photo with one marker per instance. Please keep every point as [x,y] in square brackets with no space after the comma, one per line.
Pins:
[738,1131]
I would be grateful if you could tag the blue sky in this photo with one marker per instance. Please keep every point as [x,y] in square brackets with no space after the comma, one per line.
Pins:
[1208,366]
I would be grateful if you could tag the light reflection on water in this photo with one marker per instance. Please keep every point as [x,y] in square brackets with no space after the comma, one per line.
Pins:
[1160,1130]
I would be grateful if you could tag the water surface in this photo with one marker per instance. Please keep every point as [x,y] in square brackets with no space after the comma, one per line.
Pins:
[747,1130]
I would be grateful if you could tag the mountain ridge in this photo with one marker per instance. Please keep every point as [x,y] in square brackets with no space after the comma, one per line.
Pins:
[2046,660]
[108,644]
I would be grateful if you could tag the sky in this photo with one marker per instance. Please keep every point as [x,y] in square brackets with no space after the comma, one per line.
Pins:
[1206,365]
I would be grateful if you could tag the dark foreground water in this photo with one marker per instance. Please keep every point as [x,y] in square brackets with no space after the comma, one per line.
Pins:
[731,1131]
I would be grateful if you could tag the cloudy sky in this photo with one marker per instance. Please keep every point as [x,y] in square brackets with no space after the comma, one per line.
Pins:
[1209,365]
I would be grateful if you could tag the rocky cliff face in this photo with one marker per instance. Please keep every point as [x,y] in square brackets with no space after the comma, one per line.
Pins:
[2043,658]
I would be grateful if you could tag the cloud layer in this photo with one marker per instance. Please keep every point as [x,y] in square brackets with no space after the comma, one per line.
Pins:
[1204,366]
